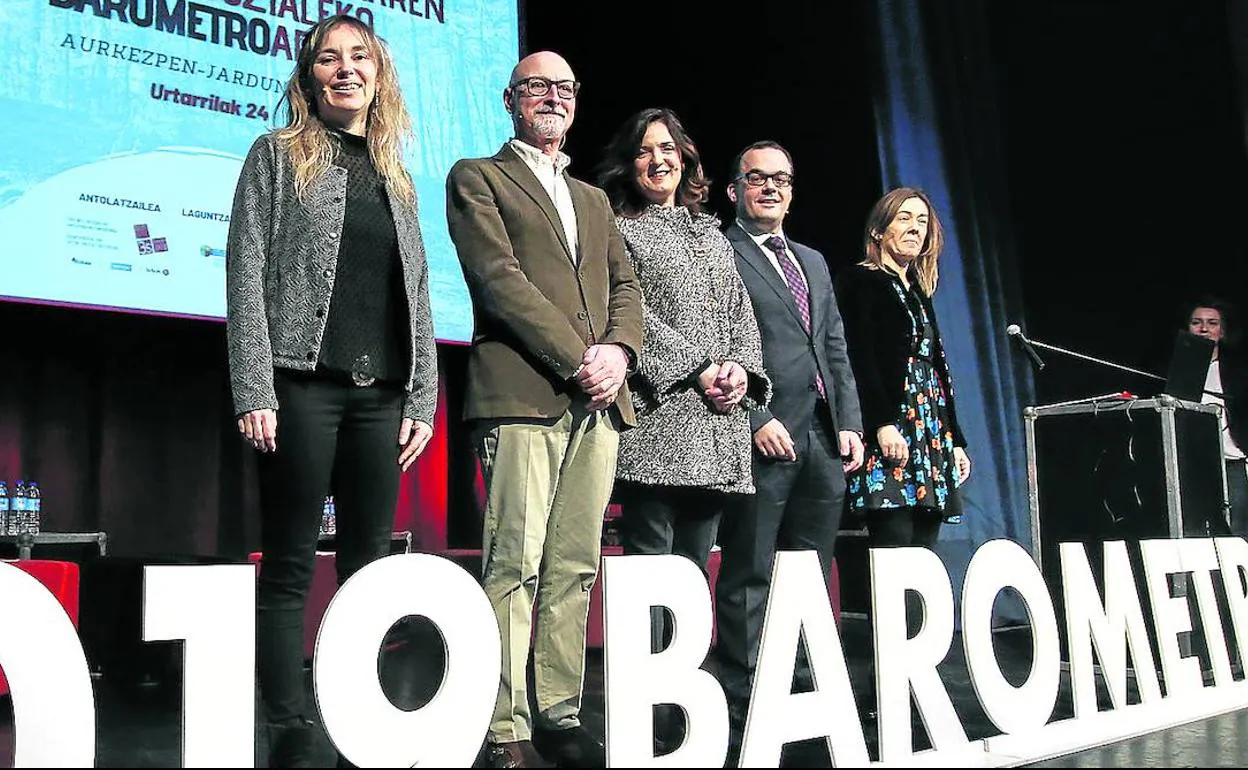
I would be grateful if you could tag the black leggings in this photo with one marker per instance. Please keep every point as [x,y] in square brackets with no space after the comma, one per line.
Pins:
[893,527]
[897,527]
[330,435]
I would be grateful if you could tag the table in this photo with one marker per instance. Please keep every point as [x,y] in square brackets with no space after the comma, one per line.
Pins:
[26,543]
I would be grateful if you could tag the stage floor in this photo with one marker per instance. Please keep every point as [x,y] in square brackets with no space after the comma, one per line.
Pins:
[139,714]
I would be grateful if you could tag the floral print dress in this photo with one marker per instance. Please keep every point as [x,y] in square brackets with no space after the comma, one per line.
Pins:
[930,478]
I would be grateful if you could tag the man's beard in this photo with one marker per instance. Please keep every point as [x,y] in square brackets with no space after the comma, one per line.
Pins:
[548,125]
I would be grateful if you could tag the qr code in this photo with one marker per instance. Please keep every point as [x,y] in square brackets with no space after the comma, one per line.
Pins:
[145,246]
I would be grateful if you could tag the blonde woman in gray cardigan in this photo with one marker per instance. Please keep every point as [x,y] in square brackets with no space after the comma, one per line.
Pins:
[332,360]
[688,461]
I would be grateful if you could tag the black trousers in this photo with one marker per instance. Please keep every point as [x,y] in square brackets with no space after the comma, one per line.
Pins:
[331,435]
[659,519]
[684,521]
[797,508]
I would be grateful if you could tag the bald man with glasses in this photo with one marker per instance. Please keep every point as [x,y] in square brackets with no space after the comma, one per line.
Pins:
[557,314]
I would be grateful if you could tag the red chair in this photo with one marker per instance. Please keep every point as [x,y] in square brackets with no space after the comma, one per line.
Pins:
[62,579]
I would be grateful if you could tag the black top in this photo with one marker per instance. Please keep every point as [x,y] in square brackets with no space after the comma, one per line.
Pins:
[368,308]
[882,332]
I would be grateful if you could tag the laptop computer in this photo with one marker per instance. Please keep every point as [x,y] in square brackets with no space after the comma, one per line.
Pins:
[1189,365]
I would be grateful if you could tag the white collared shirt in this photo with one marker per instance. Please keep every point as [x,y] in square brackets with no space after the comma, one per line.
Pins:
[1213,384]
[761,240]
[549,172]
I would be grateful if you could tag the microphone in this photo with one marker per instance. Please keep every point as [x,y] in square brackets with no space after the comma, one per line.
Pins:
[1014,331]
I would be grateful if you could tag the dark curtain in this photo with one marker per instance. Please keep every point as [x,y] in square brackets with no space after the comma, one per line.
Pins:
[939,130]
[1237,33]
[126,422]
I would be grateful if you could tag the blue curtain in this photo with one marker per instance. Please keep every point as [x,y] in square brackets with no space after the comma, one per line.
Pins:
[938,127]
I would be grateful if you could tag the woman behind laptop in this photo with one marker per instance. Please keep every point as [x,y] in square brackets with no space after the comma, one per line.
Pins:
[1213,318]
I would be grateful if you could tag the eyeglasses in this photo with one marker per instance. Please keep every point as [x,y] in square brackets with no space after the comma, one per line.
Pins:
[758,178]
[535,86]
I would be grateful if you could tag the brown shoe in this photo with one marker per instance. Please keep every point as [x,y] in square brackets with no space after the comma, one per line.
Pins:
[514,754]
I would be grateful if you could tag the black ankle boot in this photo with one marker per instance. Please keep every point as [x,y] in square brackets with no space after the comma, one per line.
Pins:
[292,745]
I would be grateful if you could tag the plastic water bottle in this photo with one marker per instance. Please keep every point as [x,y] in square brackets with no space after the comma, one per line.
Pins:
[17,509]
[329,522]
[34,505]
[4,509]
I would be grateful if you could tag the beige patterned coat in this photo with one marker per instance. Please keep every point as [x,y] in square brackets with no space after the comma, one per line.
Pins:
[696,310]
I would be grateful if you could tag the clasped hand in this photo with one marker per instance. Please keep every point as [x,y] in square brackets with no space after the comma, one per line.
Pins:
[604,368]
[723,385]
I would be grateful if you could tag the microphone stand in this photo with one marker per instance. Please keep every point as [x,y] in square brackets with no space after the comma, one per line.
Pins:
[1110,364]
[1102,362]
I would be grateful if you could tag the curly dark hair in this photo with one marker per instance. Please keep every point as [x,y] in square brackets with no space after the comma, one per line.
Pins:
[615,172]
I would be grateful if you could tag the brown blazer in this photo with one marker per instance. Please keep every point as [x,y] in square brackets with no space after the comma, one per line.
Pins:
[535,310]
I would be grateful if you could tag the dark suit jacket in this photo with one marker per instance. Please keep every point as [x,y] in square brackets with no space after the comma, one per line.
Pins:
[791,356]
[535,309]
[1233,368]
[882,337]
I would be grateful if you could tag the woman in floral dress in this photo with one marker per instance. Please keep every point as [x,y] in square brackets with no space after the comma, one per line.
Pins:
[916,453]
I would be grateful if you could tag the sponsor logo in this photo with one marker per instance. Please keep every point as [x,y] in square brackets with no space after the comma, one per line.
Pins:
[146,243]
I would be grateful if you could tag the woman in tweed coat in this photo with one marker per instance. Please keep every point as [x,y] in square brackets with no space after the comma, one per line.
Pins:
[332,361]
[688,460]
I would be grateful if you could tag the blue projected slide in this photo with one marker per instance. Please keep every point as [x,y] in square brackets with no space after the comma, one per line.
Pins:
[127,121]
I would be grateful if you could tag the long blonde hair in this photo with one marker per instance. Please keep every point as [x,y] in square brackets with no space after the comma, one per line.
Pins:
[924,267]
[389,125]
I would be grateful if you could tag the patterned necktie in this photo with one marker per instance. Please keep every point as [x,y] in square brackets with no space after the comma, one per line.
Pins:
[797,287]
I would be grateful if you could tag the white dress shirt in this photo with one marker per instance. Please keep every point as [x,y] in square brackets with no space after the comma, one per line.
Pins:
[761,240]
[549,172]
[1213,384]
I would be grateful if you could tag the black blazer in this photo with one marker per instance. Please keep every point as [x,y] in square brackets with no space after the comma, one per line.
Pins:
[1233,369]
[788,348]
[882,336]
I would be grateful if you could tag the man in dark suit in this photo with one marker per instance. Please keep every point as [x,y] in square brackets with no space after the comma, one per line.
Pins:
[557,312]
[808,437]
